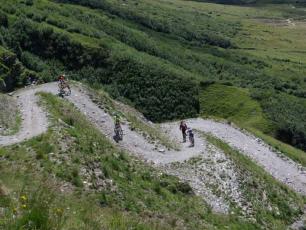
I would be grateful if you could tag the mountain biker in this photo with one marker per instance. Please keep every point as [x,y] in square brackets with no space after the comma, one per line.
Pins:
[118,129]
[183,128]
[61,78]
[117,122]
[63,83]
[191,137]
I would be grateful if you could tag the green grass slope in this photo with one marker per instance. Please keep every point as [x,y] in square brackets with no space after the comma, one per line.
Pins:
[238,106]
[233,104]
[72,177]
[9,115]
[154,55]
[253,2]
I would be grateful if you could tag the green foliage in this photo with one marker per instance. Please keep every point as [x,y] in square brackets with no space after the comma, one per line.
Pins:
[135,188]
[12,72]
[45,42]
[199,37]
[32,62]
[287,114]
[233,104]
[253,2]
[261,113]
[33,208]
[157,90]
[154,55]
[9,116]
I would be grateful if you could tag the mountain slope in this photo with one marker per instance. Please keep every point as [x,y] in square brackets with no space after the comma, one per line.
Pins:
[80,160]
[157,58]
[253,2]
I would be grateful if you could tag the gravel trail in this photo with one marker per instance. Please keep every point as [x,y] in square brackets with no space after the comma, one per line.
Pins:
[35,122]
[279,166]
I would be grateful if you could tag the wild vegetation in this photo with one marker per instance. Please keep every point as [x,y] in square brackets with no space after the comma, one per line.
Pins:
[253,2]
[134,50]
[9,115]
[170,59]
[73,177]
[238,106]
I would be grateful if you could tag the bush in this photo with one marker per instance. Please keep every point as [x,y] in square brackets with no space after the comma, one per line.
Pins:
[13,71]
[156,89]
[288,115]
[32,62]
[169,25]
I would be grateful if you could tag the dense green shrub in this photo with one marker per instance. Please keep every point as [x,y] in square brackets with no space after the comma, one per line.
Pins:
[288,115]
[163,25]
[43,41]
[12,71]
[32,62]
[144,57]
[158,91]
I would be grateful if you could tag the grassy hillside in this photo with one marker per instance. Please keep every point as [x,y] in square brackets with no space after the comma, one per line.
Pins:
[9,115]
[255,2]
[233,104]
[238,106]
[153,55]
[72,177]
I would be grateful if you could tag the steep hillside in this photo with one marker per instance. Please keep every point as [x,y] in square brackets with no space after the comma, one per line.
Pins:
[153,55]
[236,74]
[73,175]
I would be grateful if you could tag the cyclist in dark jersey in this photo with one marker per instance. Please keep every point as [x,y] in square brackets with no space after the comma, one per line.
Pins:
[183,128]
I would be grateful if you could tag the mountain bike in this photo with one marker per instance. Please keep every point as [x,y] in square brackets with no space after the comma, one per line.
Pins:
[64,89]
[118,133]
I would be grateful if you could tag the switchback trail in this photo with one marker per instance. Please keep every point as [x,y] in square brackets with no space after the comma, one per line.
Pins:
[35,122]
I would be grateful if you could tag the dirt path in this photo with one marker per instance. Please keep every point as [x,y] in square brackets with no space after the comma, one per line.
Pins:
[279,166]
[282,168]
[34,120]
[210,171]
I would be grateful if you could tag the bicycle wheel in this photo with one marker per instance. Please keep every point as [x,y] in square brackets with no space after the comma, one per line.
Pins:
[121,134]
[67,91]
